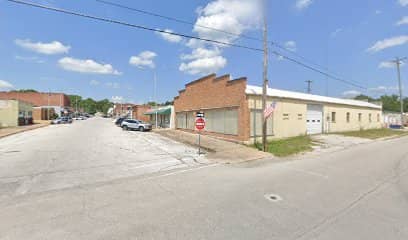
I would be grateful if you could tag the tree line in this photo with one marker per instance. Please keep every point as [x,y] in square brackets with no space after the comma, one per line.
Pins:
[391,103]
[89,105]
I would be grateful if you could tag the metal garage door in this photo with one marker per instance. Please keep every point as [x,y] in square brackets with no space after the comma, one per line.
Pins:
[314,119]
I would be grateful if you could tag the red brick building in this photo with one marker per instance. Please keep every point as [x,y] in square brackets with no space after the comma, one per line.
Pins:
[233,110]
[139,112]
[131,110]
[222,100]
[38,99]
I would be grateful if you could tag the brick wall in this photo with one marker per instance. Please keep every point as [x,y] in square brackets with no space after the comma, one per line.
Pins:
[38,99]
[139,111]
[213,92]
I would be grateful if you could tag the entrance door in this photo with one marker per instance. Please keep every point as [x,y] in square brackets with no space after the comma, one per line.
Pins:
[314,119]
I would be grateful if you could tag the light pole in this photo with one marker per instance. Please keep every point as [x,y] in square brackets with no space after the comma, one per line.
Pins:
[154,92]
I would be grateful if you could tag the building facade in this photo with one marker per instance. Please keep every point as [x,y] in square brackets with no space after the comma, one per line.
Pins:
[162,117]
[233,110]
[138,112]
[15,113]
[58,101]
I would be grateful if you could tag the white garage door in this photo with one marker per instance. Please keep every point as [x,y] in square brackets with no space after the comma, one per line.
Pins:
[314,119]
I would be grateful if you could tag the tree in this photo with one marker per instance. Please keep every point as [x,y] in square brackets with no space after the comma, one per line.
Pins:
[25,90]
[390,103]
[362,97]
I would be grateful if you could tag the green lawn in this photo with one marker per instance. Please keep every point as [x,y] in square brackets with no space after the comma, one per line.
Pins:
[288,146]
[374,133]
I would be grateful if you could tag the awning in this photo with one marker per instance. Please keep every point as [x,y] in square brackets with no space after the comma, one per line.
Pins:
[159,111]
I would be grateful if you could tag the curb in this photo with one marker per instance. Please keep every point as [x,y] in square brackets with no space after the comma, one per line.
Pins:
[21,131]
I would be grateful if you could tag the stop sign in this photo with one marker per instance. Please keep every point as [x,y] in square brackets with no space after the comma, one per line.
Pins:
[200,123]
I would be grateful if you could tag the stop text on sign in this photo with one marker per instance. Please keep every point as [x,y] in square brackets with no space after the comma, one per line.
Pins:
[200,123]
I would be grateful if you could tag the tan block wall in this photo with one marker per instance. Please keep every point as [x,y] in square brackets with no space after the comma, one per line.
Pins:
[8,113]
[284,126]
[213,92]
[296,124]
[341,124]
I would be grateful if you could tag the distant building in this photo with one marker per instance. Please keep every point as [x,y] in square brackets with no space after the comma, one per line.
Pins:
[15,113]
[233,110]
[58,101]
[123,109]
[138,112]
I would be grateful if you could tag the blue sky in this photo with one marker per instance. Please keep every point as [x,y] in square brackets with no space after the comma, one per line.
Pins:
[53,52]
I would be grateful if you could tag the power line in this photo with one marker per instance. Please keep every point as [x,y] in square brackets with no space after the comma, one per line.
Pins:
[107,20]
[317,70]
[178,20]
[130,24]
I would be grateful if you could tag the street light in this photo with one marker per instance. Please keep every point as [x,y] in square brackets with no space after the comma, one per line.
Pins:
[154,91]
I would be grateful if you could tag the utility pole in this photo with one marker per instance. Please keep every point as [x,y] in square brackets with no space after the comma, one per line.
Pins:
[309,86]
[398,61]
[48,107]
[265,75]
[155,95]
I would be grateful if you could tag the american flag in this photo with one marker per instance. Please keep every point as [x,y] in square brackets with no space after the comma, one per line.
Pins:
[269,110]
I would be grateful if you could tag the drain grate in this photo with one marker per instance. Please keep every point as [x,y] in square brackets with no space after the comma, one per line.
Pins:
[273,197]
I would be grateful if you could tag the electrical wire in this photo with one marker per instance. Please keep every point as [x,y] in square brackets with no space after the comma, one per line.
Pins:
[59,10]
[317,70]
[178,20]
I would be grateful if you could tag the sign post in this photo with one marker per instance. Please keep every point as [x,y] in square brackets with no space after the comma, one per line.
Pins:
[200,125]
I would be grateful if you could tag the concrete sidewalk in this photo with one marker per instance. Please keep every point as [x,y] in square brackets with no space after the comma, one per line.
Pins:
[4,132]
[217,150]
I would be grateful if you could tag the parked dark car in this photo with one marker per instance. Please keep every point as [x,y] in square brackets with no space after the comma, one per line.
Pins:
[119,121]
[66,120]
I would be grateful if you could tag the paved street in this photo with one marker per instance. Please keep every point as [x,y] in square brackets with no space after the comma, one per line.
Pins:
[94,181]
[85,152]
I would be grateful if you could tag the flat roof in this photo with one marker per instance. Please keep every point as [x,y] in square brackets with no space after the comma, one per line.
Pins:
[255,90]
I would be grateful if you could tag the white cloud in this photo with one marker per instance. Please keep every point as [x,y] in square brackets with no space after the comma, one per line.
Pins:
[380,90]
[291,45]
[403,3]
[94,82]
[351,94]
[51,48]
[144,59]
[336,32]
[169,37]
[201,53]
[233,16]
[389,65]
[86,66]
[29,59]
[403,21]
[303,4]
[378,12]
[117,99]
[388,43]
[112,85]
[5,85]
[204,65]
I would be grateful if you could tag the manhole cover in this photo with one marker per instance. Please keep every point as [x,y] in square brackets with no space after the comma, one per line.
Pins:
[273,197]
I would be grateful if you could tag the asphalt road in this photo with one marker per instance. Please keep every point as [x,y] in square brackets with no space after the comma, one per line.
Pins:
[86,152]
[358,193]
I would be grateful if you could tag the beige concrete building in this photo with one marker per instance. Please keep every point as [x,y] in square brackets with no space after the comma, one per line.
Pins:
[300,114]
[233,110]
[15,113]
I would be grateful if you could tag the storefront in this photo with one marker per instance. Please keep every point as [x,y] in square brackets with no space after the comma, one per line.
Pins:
[164,116]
